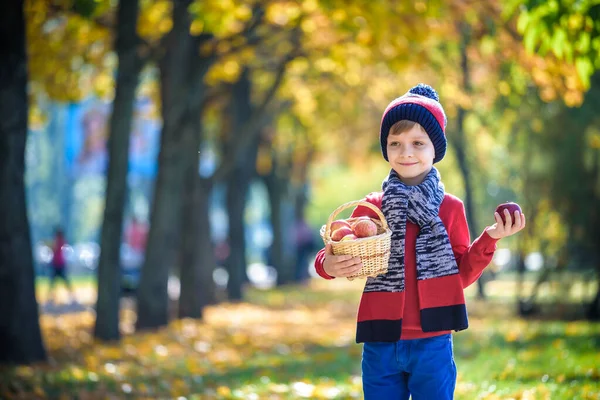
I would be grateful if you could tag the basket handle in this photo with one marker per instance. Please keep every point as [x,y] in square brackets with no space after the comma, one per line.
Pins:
[335,212]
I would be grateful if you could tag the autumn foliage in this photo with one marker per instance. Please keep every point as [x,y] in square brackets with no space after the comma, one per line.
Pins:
[298,343]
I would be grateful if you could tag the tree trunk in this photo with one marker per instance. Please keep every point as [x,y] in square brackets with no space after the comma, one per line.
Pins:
[237,190]
[20,336]
[238,183]
[109,272]
[197,260]
[593,311]
[275,204]
[460,149]
[281,223]
[303,246]
[574,181]
[300,200]
[463,164]
[189,298]
[197,254]
[242,148]
[152,293]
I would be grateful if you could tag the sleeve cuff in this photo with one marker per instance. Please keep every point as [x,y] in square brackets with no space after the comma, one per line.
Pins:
[488,244]
[319,266]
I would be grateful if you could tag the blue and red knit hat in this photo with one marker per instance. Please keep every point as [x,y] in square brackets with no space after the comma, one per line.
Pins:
[420,104]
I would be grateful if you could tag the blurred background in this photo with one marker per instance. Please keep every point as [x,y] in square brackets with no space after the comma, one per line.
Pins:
[174,161]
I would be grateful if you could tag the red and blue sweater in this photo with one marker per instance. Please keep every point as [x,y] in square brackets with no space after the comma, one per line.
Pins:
[409,312]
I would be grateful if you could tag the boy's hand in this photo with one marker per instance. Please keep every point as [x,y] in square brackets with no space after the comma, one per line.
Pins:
[340,266]
[501,229]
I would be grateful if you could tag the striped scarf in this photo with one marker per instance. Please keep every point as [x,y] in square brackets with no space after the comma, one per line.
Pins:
[420,205]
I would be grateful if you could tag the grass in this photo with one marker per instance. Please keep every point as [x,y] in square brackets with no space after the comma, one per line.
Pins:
[298,342]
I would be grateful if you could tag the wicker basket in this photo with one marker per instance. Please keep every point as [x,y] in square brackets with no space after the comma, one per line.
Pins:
[374,251]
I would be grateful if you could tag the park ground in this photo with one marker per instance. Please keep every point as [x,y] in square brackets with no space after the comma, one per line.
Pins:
[298,342]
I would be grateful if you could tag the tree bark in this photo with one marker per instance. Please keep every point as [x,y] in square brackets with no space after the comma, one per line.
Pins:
[592,99]
[198,259]
[460,149]
[20,336]
[278,189]
[197,254]
[248,122]
[109,272]
[238,183]
[152,293]
[593,311]
[237,190]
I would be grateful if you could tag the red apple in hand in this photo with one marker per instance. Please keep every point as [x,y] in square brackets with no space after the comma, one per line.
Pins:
[511,207]
[338,234]
[339,223]
[365,228]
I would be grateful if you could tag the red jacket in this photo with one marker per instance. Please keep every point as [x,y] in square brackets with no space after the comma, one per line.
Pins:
[378,307]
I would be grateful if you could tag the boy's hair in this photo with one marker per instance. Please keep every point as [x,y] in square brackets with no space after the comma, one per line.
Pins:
[421,104]
[402,126]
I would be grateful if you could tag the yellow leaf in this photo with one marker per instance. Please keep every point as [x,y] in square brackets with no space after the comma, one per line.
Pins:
[223,391]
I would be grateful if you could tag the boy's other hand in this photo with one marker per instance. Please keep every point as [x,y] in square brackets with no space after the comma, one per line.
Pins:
[503,229]
[340,266]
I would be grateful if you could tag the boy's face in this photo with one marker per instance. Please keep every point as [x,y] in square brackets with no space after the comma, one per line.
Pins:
[411,154]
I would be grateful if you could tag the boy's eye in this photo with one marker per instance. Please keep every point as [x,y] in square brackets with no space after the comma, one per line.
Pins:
[394,144]
[419,143]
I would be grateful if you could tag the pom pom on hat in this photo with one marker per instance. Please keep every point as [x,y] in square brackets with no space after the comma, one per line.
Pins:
[420,104]
[425,90]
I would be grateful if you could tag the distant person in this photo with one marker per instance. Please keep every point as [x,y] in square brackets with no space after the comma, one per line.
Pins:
[406,316]
[222,252]
[136,236]
[58,265]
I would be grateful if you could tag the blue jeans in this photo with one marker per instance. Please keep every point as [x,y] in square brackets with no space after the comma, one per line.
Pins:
[423,368]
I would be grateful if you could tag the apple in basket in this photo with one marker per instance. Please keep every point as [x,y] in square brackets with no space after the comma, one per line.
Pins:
[351,236]
[339,223]
[365,228]
[339,233]
[357,220]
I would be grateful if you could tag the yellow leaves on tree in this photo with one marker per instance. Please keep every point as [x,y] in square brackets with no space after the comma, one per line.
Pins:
[556,79]
[221,18]
[228,70]
[283,12]
[67,53]
[567,36]
[155,19]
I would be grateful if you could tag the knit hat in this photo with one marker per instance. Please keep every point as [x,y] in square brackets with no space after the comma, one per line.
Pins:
[420,104]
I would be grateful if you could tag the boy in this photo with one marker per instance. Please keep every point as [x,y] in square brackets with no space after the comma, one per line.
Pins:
[406,316]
